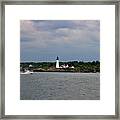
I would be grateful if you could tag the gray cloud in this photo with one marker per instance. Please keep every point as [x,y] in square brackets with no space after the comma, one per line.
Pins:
[60,38]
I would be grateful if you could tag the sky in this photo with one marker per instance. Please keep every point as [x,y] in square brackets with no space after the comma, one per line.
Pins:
[71,40]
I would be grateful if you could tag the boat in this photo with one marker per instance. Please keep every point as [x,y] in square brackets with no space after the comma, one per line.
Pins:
[26,72]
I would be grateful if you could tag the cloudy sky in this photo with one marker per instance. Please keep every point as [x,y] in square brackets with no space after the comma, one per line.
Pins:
[43,40]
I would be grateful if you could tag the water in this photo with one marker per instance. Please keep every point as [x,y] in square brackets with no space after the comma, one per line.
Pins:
[60,86]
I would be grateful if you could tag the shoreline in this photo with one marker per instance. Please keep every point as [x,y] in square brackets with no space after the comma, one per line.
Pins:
[72,67]
[65,72]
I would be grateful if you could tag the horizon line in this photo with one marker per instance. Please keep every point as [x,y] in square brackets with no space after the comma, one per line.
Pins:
[60,61]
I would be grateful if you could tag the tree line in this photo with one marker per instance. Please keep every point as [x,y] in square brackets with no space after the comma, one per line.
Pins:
[79,66]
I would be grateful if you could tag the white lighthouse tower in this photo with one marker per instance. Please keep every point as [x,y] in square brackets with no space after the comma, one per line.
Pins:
[57,62]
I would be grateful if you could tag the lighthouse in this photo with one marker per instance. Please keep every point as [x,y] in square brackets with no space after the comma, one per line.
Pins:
[57,62]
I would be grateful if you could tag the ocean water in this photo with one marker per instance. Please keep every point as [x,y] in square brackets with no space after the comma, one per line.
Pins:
[60,86]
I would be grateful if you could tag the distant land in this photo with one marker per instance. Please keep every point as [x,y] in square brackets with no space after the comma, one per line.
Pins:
[69,66]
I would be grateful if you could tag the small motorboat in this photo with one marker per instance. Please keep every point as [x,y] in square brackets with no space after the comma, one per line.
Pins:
[26,72]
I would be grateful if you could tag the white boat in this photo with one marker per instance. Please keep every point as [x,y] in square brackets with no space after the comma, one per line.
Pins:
[26,72]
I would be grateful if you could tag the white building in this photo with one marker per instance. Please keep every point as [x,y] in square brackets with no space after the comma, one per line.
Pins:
[64,66]
[72,67]
[57,62]
[30,65]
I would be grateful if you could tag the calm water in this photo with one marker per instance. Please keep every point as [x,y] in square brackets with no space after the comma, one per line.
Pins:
[60,86]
